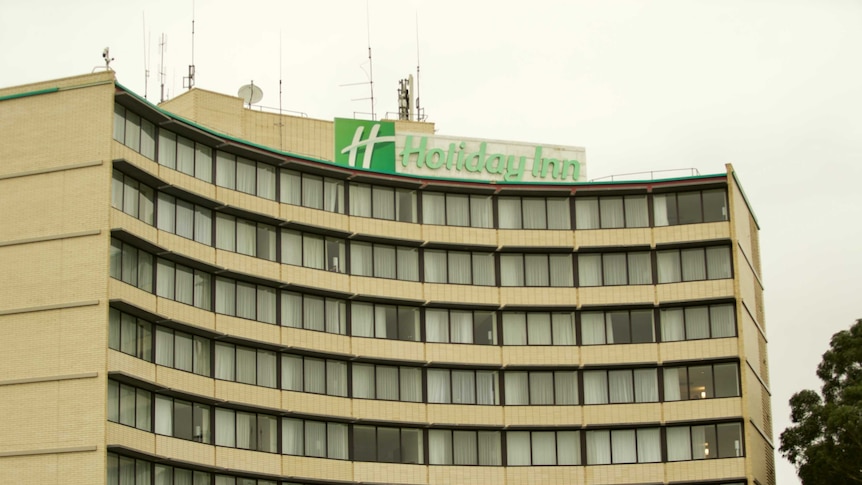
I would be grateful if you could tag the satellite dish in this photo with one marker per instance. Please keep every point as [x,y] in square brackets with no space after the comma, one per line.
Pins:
[250,93]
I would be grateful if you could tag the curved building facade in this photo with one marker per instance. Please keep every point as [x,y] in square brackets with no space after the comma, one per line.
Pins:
[185,299]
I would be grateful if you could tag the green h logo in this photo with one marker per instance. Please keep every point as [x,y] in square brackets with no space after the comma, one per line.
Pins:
[365,144]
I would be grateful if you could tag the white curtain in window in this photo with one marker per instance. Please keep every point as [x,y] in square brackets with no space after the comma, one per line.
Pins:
[512,269]
[587,213]
[336,441]
[382,315]
[362,319]
[387,382]
[593,328]
[483,269]
[701,447]
[566,387]
[668,266]
[535,216]
[440,447]
[363,381]
[598,447]
[225,296]
[291,372]
[517,388]
[463,387]
[693,264]
[246,365]
[672,381]
[509,209]
[336,378]
[164,415]
[266,365]
[266,181]
[615,269]
[460,267]
[224,362]
[536,271]
[225,170]
[433,208]
[438,386]
[611,209]
[184,285]
[718,262]
[486,388]
[640,268]
[164,347]
[620,386]
[201,356]
[660,209]
[435,266]
[291,309]
[333,195]
[292,431]
[624,447]
[411,384]
[636,211]
[336,316]
[246,173]
[649,445]
[518,448]
[183,351]
[595,387]
[563,328]
[436,325]
[312,191]
[384,261]
[489,448]
[225,232]
[291,247]
[559,214]
[127,471]
[246,431]
[514,328]
[266,304]
[672,325]
[590,269]
[544,448]
[225,427]
[265,242]
[461,323]
[361,260]
[541,388]
[539,328]
[185,155]
[646,385]
[408,264]
[383,202]
[697,323]
[457,210]
[203,162]
[465,447]
[167,220]
[315,438]
[561,270]
[246,300]
[481,214]
[185,219]
[291,187]
[722,321]
[203,225]
[246,237]
[203,290]
[568,448]
[312,251]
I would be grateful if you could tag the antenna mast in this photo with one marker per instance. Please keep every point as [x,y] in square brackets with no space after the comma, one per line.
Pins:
[189,82]
[163,44]
[370,65]
[420,116]
[146,56]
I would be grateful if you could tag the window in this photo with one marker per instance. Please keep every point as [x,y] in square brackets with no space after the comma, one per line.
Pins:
[695,264]
[464,447]
[617,327]
[131,265]
[184,219]
[183,284]
[457,209]
[536,328]
[460,326]
[385,382]
[130,335]
[132,197]
[183,351]
[388,445]
[245,300]
[384,261]
[381,202]
[540,388]
[610,269]
[536,270]
[384,321]
[245,175]
[690,207]
[246,365]
[700,322]
[623,446]
[314,375]
[249,431]
[313,312]
[314,438]
[187,156]
[704,442]
[620,386]
[611,212]
[463,386]
[129,405]
[183,419]
[311,191]
[543,448]
[313,251]
[123,470]
[534,213]
[459,267]
[245,237]
[135,132]
[701,381]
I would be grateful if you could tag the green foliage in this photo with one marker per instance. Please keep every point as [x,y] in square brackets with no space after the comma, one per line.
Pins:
[825,441]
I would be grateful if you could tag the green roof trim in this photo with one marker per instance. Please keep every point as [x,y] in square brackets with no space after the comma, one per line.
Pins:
[29,93]
[359,169]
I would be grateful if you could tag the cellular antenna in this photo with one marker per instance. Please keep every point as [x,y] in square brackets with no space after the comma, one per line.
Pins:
[163,46]
[189,81]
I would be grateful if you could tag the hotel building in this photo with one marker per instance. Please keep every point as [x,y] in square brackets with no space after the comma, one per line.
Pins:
[201,293]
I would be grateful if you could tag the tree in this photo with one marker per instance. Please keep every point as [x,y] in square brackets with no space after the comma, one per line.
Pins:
[825,441]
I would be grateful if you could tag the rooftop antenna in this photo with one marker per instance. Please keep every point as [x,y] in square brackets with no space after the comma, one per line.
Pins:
[106,55]
[280,77]
[146,55]
[189,81]
[250,94]
[420,115]
[370,65]
[163,45]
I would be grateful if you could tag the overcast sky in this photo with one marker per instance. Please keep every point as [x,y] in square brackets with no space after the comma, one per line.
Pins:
[774,87]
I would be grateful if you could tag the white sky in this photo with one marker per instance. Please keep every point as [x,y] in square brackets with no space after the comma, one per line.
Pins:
[774,87]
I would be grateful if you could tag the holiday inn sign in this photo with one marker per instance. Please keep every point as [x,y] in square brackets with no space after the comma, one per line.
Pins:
[374,145]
